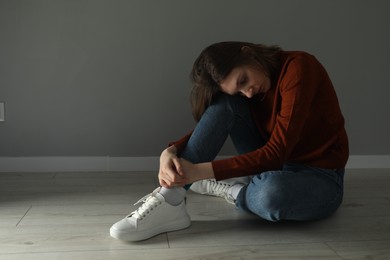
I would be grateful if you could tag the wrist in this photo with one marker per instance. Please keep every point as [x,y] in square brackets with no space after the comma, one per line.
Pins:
[205,170]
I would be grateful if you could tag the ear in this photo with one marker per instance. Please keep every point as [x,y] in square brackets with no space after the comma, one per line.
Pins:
[247,49]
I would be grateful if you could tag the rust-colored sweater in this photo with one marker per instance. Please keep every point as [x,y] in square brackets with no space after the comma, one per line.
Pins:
[300,118]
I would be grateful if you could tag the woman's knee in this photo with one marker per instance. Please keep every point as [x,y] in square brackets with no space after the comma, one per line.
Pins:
[265,197]
[231,102]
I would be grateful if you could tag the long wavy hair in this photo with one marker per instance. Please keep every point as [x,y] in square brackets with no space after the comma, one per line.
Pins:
[217,60]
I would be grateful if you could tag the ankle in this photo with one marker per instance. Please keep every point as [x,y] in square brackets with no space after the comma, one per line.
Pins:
[173,196]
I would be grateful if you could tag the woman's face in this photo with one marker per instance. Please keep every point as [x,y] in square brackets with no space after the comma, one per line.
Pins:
[247,81]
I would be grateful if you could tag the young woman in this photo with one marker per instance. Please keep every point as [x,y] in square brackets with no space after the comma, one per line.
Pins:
[282,114]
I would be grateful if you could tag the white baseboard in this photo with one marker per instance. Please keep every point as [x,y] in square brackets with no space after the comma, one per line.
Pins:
[114,164]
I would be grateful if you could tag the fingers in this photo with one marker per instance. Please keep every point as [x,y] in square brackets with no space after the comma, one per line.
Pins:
[166,183]
[178,166]
[169,178]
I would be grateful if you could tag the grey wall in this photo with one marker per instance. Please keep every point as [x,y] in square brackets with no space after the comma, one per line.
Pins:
[110,77]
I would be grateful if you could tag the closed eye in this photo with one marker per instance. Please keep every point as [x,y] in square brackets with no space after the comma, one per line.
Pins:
[242,81]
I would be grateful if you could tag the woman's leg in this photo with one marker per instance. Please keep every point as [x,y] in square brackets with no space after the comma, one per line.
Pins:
[227,115]
[296,192]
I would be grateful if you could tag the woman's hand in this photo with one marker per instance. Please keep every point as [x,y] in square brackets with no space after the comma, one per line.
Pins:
[171,172]
[176,172]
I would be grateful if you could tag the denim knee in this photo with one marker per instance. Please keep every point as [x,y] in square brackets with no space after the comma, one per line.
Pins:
[268,200]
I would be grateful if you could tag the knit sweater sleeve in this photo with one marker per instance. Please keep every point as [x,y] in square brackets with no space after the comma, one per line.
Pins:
[296,88]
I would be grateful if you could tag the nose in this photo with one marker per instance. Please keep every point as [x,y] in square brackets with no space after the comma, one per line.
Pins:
[248,92]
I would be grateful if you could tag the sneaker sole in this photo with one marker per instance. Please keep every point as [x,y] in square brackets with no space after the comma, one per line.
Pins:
[143,235]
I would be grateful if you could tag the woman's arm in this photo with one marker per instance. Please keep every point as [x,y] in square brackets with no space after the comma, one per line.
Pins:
[296,90]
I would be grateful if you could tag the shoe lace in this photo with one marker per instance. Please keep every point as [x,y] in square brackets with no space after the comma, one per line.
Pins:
[219,189]
[150,202]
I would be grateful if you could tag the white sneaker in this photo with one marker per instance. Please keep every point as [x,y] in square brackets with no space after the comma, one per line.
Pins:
[155,216]
[214,188]
[206,186]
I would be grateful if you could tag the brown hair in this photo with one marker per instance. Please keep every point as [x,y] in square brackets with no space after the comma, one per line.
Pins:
[217,60]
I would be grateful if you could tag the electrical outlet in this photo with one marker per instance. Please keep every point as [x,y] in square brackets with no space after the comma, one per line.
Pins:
[2,113]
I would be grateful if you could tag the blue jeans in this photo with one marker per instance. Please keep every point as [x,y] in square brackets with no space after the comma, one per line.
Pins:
[295,192]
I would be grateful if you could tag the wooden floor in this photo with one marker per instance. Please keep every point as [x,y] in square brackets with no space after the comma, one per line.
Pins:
[68,216]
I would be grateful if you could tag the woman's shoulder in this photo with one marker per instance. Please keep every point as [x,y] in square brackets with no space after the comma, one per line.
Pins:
[298,65]
[289,56]
[299,61]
